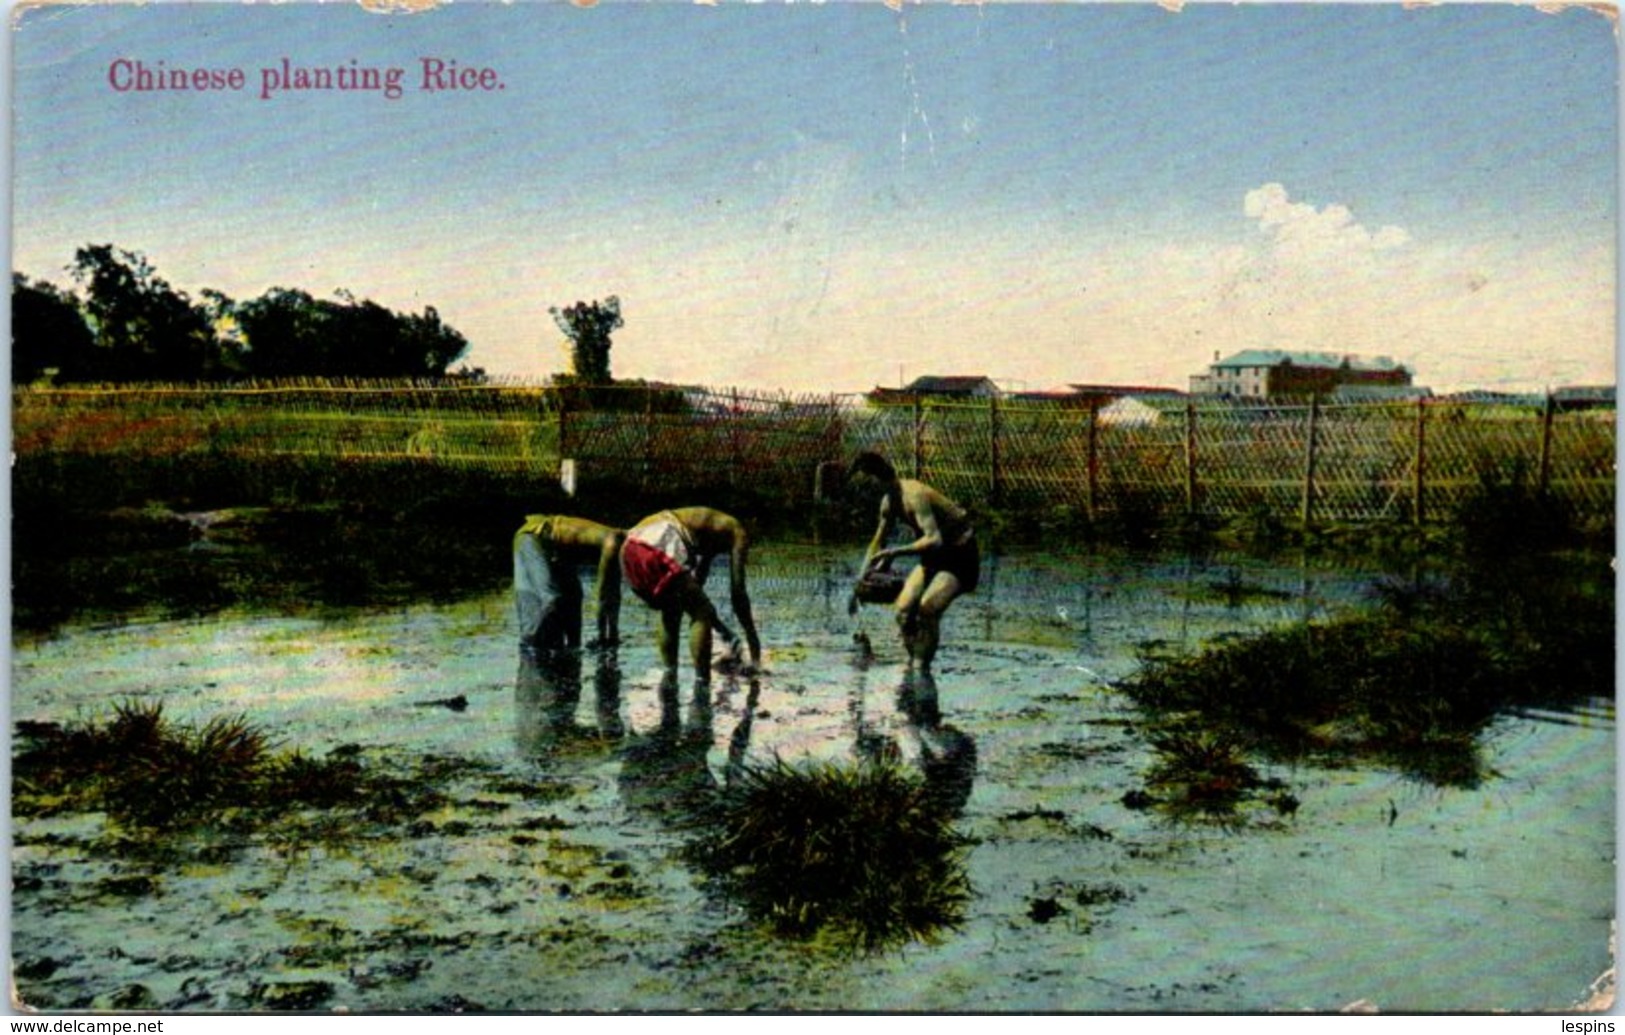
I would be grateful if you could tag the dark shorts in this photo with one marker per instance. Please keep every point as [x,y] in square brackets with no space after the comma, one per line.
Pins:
[962,560]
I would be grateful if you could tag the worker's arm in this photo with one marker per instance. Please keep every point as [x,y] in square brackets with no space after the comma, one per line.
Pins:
[609,590]
[876,556]
[740,596]
[924,518]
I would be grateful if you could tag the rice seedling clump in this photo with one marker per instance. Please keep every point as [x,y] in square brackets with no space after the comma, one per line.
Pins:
[146,771]
[1412,685]
[856,852]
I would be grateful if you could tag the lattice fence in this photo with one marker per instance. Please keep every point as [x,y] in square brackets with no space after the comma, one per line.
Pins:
[662,438]
[1316,462]
[1350,462]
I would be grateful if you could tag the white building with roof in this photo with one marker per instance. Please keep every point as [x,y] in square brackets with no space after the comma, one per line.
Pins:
[1273,373]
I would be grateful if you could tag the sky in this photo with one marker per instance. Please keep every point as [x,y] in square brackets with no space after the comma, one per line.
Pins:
[834,196]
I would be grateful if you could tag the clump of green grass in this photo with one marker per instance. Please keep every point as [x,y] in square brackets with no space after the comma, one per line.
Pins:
[1359,687]
[859,853]
[1201,773]
[1516,612]
[1203,776]
[146,771]
[1415,683]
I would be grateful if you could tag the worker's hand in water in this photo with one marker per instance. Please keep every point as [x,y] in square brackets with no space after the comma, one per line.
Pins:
[732,659]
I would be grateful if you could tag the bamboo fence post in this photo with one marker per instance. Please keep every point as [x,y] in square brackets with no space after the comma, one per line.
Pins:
[835,430]
[834,440]
[1546,442]
[993,448]
[1418,510]
[1092,488]
[648,437]
[1190,458]
[564,425]
[919,438]
[734,417]
[1306,512]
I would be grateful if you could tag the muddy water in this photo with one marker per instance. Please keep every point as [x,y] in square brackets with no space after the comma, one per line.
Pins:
[554,879]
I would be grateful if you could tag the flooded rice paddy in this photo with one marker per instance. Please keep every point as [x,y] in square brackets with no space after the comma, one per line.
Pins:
[553,875]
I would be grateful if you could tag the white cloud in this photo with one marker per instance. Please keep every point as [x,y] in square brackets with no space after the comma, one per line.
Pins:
[1299,232]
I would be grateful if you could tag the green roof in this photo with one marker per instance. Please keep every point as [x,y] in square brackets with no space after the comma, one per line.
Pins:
[1313,360]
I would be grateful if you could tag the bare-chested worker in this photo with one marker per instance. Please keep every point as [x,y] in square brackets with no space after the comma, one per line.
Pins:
[945,543]
[547,550]
[665,561]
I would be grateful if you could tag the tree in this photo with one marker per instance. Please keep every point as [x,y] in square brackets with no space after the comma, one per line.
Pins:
[588,326]
[289,333]
[48,332]
[282,333]
[140,328]
[143,328]
[428,343]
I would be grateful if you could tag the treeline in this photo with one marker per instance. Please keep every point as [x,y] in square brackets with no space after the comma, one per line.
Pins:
[127,324]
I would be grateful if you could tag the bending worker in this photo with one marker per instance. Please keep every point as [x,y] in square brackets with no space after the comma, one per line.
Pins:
[547,550]
[945,543]
[665,561]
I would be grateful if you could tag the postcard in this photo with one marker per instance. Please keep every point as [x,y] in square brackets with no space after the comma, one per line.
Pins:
[1014,508]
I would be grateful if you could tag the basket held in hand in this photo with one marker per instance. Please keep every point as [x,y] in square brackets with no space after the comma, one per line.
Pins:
[879,587]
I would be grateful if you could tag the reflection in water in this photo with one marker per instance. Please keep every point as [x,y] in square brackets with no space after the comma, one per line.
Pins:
[1368,883]
[664,772]
[547,695]
[917,737]
[947,753]
[546,692]
[739,742]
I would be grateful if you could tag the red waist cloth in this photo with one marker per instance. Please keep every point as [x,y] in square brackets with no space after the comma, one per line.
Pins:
[649,571]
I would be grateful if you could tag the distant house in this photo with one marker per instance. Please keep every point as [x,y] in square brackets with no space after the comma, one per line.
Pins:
[1584,397]
[1574,398]
[1102,397]
[1368,393]
[1058,397]
[1129,412]
[1488,397]
[1256,374]
[933,386]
